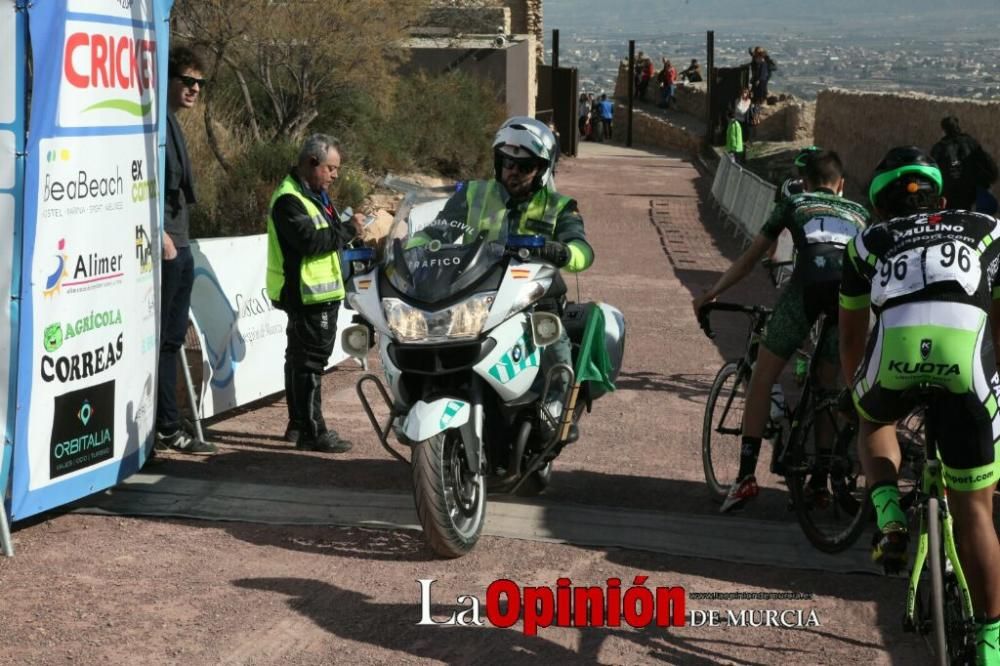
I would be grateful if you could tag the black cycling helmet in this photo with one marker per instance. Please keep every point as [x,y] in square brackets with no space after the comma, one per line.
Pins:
[907,169]
[803,155]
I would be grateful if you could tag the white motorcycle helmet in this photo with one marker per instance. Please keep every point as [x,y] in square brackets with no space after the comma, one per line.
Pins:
[522,136]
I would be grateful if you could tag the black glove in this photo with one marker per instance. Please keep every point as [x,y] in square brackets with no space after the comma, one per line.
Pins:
[556,253]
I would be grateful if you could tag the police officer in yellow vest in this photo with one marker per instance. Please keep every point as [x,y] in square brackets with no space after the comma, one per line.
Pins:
[304,233]
[523,195]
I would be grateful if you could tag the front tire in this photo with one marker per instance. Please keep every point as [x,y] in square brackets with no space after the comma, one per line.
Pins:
[721,432]
[451,502]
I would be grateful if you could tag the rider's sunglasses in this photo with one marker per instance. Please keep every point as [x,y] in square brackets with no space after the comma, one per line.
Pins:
[522,166]
[190,81]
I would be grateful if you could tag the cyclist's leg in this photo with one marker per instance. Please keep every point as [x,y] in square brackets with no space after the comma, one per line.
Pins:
[880,404]
[756,412]
[967,430]
[777,346]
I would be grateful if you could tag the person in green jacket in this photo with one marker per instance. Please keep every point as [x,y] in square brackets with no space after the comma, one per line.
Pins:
[734,139]
[304,278]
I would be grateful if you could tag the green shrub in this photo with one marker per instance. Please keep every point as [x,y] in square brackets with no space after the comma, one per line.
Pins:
[441,125]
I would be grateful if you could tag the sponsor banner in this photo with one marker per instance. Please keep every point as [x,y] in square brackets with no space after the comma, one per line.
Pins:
[242,335]
[12,108]
[86,358]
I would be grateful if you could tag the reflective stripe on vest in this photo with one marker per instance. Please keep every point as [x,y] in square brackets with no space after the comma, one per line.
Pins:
[320,275]
[487,210]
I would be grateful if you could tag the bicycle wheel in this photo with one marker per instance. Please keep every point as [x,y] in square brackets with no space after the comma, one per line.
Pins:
[935,565]
[828,489]
[722,429]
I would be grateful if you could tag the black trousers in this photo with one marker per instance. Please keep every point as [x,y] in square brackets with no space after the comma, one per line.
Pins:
[311,333]
[176,284]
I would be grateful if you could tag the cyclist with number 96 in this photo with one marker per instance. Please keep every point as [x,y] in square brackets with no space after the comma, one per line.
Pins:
[931,277]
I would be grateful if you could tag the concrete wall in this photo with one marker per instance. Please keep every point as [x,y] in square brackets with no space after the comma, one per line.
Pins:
[861,127]
[522,77]
[510,70]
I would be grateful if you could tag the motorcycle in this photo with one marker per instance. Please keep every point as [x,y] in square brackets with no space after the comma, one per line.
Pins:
[461,334]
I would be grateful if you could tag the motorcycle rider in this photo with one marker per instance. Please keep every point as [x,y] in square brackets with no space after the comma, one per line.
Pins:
[522,195]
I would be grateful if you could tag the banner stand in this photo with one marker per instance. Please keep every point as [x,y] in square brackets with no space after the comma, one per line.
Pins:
[6,544]
[192,400]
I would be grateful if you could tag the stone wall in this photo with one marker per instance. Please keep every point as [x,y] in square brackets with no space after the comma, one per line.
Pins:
[654,130]
[861,127]
[788,120]
[483,17]
[526,19]
[461,20]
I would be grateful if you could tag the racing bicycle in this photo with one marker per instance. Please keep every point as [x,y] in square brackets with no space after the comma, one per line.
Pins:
[813,444]
[938,603]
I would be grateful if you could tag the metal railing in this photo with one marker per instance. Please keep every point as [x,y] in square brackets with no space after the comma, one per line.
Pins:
[743,198]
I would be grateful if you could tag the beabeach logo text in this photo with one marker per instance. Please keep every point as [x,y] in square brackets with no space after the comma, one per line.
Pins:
[108,76]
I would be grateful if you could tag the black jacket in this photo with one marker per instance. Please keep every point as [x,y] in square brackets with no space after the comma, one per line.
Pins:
[299,237]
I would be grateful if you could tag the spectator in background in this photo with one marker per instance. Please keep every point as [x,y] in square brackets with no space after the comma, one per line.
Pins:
[742,109]
[668,79]
[734,139]
[761,68]
[304,278]
[967,169]
[692,74]
[184,84]
[595,118]
[607,112]
[645,70]
[583,115]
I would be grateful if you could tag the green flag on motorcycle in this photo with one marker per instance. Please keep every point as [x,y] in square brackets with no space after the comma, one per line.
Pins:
[592,363]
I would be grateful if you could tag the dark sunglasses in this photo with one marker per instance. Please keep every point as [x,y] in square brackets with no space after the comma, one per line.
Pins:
[522,166]
[190,81]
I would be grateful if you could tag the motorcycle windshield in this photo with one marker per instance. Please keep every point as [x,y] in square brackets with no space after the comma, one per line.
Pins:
[430,259]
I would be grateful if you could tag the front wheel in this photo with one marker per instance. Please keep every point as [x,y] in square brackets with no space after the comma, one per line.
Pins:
[451,501]
[722,429]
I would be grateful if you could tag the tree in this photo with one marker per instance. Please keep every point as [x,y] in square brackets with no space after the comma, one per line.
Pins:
[289,57]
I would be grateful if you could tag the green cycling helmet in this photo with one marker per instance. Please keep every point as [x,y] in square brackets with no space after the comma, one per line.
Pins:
[902,161]
[803,155]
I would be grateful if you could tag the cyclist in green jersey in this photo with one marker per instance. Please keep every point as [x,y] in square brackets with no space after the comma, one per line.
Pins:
[931,278]
[821,223]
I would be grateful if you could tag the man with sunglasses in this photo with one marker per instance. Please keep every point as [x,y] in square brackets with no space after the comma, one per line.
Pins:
[183,87]
[523,193]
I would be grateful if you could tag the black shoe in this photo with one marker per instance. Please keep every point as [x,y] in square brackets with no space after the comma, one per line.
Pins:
[328,442]
[889,547]
[292,433]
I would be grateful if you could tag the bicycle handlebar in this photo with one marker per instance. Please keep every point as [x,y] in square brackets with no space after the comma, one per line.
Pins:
[706,310]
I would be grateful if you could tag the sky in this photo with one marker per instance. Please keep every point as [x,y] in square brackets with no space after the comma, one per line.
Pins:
[917,18]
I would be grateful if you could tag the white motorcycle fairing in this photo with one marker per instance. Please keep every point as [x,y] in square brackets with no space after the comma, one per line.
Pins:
[427,419]
[510,368]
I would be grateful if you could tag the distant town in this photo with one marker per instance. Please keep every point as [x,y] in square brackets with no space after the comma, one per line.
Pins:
[966,68]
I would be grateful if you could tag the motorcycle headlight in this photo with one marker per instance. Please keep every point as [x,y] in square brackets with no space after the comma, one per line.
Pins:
[461,321]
